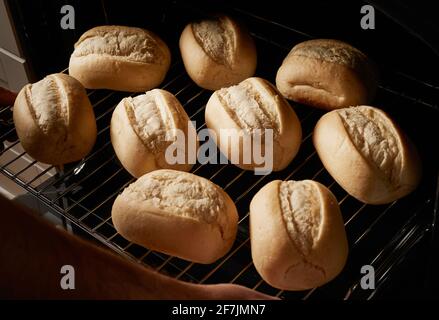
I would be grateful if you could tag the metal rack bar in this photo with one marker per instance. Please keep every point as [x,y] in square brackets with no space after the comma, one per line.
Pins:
[374,223]
[42,173]
[407,235]
[106,200]
[396,242]
[228,256]
[93,190]
[415,236]
[3,136]
[193,98]
[243,270]
[74,185]
[9,147]
[4,109]
[405,96]
[13,160]
[25,168]
[69,172]
[267,21]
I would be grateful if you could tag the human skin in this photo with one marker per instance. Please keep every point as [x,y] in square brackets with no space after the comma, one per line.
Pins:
[32,253]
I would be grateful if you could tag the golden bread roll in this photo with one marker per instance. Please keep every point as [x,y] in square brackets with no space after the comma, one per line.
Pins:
[120,58]
[298,240]
[247,110]
[327,74]
[217,52]
[367,154]
[177,213]
[143,127]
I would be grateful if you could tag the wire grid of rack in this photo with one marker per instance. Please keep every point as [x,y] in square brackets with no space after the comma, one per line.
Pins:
[84,192]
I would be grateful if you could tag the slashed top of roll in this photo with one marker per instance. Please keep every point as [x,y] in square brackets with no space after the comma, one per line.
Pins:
[301,213]
[332,51]
[133,44]
[251,106]
[217,37]
[151,120]
[376,138]
[48,103]
[180,194]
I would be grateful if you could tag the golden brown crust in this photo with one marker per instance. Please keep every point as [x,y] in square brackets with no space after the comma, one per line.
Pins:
[133,44]
[143,127]
[333,51]
[269,110]
[217,37]
[120,58]
[328,74]
[217,52]
[177,213]
[280,252]
[54,120]
[374,161]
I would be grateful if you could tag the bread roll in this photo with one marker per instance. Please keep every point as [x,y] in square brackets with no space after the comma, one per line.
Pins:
[217,52]
[327,74]
[177,213]
[143,127]
[367,154]
[54,120]
[298,240]
[120,58]
[254,104]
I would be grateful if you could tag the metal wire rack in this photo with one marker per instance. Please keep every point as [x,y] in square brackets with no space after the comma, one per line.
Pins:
[84,192]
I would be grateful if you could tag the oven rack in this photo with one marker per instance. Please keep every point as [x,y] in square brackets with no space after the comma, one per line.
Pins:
[83,192]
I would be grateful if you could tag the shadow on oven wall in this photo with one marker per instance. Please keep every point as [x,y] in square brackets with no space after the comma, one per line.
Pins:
[404,40]
[399,41]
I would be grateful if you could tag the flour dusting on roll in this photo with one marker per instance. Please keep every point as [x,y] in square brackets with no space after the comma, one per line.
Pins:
[144,127]
[54,120]
[217,52]
[367,154]
[177,213]
[120,58]
[253,114]
[298,240]
[327,74]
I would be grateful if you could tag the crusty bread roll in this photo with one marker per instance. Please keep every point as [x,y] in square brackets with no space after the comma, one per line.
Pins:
[298,240]
[254,104]
[120,58]
[177,213]
[54,120]
[367,154]
[327,74]
[217,52]
[143,127]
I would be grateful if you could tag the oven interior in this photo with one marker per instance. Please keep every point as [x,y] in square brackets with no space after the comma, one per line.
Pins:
[399,239]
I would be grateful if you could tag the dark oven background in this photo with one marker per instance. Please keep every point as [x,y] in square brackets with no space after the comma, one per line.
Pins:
[404,45]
